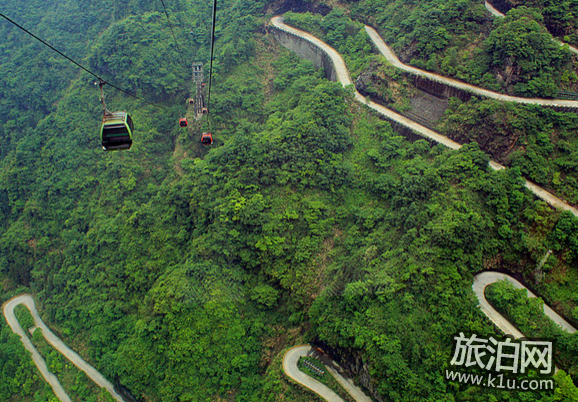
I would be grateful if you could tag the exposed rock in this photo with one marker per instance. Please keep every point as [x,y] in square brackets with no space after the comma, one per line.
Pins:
[355,367]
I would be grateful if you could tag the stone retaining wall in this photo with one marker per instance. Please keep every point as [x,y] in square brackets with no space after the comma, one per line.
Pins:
[306,50]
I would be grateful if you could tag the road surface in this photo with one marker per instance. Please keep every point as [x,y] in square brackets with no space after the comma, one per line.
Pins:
[290,368]
[292,356]
[392,58]
[349,386]
[484,279]
[493,10]
[481,281]
[344,78]
[91,372]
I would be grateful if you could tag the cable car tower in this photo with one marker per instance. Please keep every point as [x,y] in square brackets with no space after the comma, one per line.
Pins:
[200,105]
[199,81]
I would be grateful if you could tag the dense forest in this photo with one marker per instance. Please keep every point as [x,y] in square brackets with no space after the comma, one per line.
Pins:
[184,272]
[539,141]
[559,17]
[459,38]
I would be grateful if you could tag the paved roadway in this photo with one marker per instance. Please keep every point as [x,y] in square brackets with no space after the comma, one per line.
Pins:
[344,78]
[8,310]
[71,355]
[392,58]
[349,386]
[481,281]
[493,10]
[484,279]
[291,357]
[290,368]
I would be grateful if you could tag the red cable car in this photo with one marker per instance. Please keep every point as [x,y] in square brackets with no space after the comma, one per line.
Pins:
[207,139]
[183,122]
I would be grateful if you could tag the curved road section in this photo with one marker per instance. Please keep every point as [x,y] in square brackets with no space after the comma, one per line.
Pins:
[71,355]
[392,58]
[343,76]
[290,368]
[292,356]
[493,10]
[482,280]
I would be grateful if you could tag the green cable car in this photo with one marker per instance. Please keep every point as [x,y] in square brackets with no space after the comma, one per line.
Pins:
[116,131]
[117,128]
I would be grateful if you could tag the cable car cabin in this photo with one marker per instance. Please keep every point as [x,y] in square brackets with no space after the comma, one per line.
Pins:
[207,139]
[191,101]
[205,110]
[116,131]
[183,122]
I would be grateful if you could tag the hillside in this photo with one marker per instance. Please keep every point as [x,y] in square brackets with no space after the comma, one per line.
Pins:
[458,38]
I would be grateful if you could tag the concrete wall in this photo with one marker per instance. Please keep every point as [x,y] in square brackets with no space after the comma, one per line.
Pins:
[305,50]
[440,89]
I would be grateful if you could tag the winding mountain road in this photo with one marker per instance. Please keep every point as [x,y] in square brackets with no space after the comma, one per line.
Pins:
[290,368]
[493,10]
[344,78]
[482,280]
[91,372]
[292,356]
[386,51]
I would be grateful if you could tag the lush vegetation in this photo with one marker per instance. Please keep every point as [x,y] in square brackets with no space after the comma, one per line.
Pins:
[183,273]
[537,140]
[559,16]
[459,38]
[524,56]
[322,375]
[76,383]
[541,142]
[528,315]
[19,378]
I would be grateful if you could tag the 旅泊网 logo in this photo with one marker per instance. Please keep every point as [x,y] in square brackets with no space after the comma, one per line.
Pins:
[505,363]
